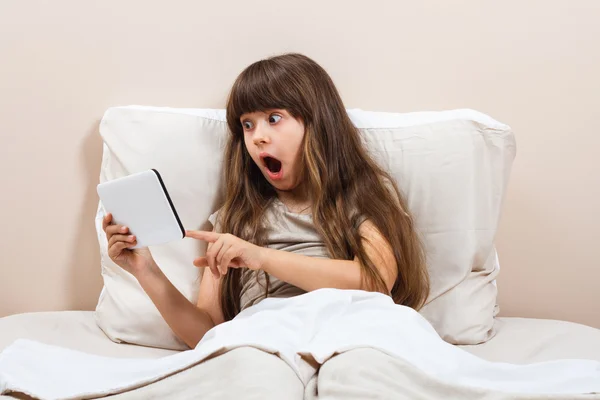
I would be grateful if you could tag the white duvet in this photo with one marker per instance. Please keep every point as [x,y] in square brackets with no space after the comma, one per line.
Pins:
[305,331]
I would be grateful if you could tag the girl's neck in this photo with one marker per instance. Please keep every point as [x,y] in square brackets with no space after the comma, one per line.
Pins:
[296,200]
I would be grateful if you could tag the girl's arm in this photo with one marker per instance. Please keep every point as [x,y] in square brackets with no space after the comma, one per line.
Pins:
[188,321]
[308,273]
[311,273]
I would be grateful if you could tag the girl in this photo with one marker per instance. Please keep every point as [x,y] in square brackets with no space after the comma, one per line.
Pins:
[305,208]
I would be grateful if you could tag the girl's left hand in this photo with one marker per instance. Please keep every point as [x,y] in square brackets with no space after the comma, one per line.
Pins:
[226,251]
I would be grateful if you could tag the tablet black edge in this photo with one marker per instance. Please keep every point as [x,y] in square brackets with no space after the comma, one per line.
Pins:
[170,202]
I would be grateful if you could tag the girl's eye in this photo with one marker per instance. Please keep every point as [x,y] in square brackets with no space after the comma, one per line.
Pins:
[247,125]
[274,118]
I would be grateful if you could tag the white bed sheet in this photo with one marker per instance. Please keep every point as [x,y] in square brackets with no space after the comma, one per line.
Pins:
[519,340]
[243,373]
[75,330]
[528,340]
[371,374]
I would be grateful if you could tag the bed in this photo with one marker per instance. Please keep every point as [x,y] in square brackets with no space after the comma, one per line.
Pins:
[360,374]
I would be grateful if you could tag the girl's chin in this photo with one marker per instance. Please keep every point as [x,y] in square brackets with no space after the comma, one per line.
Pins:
[280,181]
[284,187]
[279,184]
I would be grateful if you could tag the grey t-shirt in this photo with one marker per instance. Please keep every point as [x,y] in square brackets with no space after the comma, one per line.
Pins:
[286,231]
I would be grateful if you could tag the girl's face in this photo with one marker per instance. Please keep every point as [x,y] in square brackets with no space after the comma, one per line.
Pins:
[274,139]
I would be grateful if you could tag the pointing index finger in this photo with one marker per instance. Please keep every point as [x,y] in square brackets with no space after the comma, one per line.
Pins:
[203,235]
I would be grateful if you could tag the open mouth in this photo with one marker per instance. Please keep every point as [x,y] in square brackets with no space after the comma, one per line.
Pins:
[272,164]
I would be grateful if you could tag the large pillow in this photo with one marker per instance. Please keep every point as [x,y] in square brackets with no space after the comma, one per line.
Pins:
[453,167]
[185,146]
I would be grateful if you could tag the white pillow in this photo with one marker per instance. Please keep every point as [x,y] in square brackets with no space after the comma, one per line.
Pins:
[185,146]
[453,166]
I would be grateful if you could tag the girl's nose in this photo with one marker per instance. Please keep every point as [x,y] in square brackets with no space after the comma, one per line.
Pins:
[261,135]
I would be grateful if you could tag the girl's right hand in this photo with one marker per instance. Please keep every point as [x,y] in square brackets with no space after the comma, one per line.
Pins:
[133,261]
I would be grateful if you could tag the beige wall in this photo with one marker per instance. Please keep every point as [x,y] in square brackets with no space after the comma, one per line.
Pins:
[533,65]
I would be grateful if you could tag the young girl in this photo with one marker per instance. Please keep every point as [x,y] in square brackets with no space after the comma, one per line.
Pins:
[306,208]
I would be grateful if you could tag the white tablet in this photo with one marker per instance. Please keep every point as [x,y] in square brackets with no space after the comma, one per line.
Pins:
[142,203]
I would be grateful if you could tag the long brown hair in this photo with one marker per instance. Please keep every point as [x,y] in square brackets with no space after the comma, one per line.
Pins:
[340,175]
